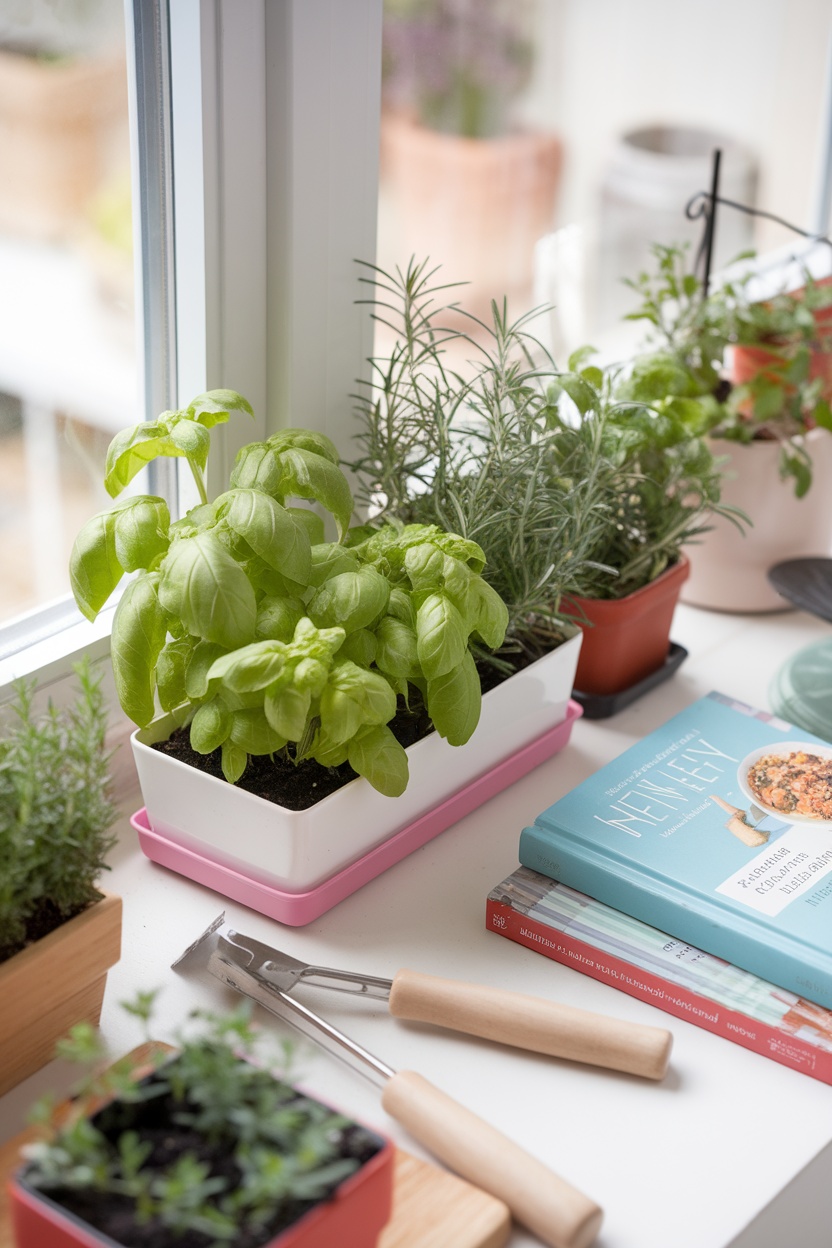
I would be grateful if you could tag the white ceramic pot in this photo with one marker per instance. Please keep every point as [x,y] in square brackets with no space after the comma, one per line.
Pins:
[728,568]
[297,850]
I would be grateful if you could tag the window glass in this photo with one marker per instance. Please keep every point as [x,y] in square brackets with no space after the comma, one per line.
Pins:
[68,378]
[536,148]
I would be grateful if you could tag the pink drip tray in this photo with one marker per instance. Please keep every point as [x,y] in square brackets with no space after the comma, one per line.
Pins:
[297,909]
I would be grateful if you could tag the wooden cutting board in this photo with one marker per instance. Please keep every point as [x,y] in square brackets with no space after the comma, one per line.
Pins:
[431,1207]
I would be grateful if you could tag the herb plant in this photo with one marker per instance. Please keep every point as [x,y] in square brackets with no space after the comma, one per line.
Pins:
[55,811]
[781,402]
[210,1150]
[456,66]
[263,636]
[568,490]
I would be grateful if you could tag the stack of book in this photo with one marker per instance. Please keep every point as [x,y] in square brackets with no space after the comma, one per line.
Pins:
[695,872]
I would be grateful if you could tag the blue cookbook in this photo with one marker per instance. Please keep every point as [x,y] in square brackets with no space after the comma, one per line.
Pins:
[716,828]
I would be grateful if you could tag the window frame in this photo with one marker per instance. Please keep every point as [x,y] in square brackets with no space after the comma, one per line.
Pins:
[238,283]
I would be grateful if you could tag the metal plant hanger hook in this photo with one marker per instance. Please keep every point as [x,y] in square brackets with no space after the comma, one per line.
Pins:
[703,205]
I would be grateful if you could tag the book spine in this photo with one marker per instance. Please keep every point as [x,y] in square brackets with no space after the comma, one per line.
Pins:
[732,1025]
[663,905]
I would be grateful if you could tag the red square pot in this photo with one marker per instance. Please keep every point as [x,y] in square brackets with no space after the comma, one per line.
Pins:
[353,1217]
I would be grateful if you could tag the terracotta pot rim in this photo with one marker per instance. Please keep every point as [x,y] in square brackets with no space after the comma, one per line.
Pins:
[665,582]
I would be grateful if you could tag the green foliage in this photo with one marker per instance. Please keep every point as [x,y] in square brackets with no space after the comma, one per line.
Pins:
[565,490]
[55,808]
[262,635]
[781,401]
[285,1149]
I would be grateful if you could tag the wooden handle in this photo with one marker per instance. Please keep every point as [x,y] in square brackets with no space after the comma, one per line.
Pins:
[532,1023]
[549,1206]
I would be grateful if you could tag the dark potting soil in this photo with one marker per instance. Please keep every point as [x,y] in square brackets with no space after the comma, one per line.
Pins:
[115,1215]
[45,918]
[297,786]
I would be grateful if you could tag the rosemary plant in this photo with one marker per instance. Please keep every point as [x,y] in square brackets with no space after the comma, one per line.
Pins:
[568,489]
[55,811]
[482,454]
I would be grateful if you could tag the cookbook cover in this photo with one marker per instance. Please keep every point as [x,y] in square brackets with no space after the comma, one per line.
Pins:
[715,828]
[571,928]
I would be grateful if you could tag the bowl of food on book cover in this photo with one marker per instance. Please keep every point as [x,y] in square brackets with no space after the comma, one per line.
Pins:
[791,780]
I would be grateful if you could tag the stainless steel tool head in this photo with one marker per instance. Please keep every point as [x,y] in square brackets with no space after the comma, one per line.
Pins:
[271,965]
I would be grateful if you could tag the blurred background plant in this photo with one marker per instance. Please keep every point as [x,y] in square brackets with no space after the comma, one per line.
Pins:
[456,65]
[736,367]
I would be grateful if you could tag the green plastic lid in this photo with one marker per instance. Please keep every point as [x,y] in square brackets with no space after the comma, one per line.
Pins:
[801,691]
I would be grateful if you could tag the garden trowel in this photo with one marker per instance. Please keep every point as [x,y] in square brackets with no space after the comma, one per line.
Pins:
[516,1019]
[560,1214]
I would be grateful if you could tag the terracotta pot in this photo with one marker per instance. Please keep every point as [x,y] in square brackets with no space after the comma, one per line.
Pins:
[626,639]
[56,119]
[729,568]
[53,984]
[475,206]
[747,362]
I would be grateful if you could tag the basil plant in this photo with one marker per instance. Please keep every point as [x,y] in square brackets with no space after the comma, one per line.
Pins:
[261,635]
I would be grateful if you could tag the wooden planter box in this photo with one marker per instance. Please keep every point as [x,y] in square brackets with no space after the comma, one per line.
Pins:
[55,983]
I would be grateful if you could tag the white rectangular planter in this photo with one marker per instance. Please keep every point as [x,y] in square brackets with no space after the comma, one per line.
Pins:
[297,850]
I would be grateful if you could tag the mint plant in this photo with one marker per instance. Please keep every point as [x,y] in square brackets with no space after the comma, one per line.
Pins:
[261,635]
[781,402]
[55,811]
[210,1148]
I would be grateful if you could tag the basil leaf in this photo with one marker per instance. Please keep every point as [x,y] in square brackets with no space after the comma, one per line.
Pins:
[132,448]
[252,732]
[353,698]
[271,533]
[139,633]
[490,614]
[454,701]
[400,606]
[397,653]
[257,467]
[141,531]
[192,440]
[94,569]
[441,636]
[250,668]
[215,406]
[360,647]
[305,474]
[424,565]
[204,586]
[203,658]
[311,521]
[277,618]
[307,440]
[171,666]
[350,600]
[330,559]
[379,757]
[234,761]
[210,726]
[287,711]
